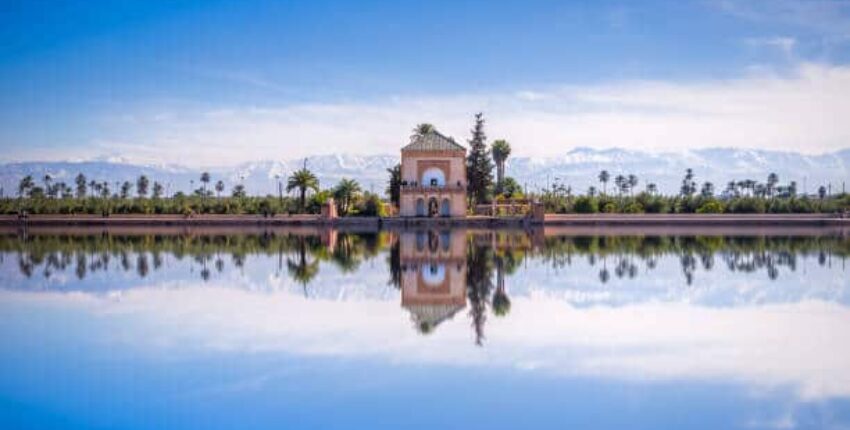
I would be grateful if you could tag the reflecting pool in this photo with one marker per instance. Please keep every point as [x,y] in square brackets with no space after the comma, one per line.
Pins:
[310,328]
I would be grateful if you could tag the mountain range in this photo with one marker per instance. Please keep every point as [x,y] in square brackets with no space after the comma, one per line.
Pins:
[577,168]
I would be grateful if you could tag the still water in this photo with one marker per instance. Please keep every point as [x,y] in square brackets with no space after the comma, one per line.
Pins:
[302,328]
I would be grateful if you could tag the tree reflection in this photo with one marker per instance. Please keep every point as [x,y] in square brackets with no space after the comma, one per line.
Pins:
[620,257]
[479,283]
[301,268]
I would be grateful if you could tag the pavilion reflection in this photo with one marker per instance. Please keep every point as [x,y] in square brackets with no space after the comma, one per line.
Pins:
[433,276]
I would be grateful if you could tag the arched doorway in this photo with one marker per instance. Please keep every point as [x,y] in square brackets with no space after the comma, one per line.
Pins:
[433,207]
[446,208]
[420,207]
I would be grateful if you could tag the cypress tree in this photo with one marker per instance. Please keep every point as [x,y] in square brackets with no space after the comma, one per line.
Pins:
[479,166]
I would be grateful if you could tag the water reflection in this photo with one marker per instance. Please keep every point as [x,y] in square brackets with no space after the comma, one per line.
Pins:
[485,252]
[439,272]
[761,318]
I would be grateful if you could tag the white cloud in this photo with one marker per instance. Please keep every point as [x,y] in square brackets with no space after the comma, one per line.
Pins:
[803,346]
[804,111]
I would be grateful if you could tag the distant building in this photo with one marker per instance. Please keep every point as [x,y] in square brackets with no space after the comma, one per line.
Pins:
[433,276]
[433,175]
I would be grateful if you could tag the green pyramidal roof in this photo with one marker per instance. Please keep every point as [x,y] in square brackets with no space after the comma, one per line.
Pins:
[433,141]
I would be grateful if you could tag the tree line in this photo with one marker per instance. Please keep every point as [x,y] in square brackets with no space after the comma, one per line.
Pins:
[739,196]
[144,196]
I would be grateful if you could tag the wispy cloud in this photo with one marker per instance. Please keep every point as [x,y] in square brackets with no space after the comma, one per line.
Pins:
[680,342]
[805,111]
[824,16]
[784,44]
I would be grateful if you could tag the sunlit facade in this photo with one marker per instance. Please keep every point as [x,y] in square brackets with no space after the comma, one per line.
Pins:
[433,174]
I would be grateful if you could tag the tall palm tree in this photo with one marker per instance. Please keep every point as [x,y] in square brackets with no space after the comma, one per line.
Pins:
[142,186]
[344,193]
[303,180]
[622,183]
[205,179]
[500,150]
[421,130]
[48,180]
[604,176]
[219,188]
[632,181]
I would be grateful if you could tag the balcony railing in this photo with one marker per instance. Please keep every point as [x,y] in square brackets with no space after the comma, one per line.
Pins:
[420,188]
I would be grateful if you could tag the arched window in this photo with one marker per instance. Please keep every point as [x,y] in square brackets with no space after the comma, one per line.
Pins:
[446,208]
[433,177]
[420,207]
[433,274]
[445,240]
[420,240]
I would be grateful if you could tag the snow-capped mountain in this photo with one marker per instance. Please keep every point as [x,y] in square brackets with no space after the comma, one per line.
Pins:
[578,168]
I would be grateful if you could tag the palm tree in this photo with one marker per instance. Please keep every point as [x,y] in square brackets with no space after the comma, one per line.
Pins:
[219,188]
[747,185]
[633,181]
[651,188]
[303,180]
[157,190]
[64,190]
[142,186]
[205,179]
[421,130]
[707,190]
[344,193]
[772,180]
[604,176]
[81,185]
[47,185]
[501,150]
[25,185]
[622,183]
[732,189]
[125,189]
[689,186]
[238,191]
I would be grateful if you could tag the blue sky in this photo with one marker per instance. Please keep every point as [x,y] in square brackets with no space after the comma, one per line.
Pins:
[159,81]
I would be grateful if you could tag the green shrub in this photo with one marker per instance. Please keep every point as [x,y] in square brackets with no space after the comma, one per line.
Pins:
[710,207]
[687,205]
[654,205]
[779,206]
[370,205]
[633,208]
[586,205]
[747,205]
